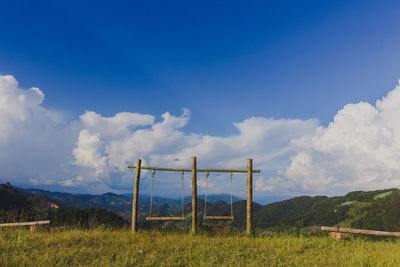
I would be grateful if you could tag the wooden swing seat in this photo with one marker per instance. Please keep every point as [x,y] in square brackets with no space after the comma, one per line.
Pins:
[224,218]
[165,219]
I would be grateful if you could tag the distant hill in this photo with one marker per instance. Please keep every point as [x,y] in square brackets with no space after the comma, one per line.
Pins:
[122,204]
[63,199]
[17,205]
[378,209]
[372,210]
[118,204]
[188,199]
[216,197]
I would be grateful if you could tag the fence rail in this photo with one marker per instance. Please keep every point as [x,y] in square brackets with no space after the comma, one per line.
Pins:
[24,223]
[359,231]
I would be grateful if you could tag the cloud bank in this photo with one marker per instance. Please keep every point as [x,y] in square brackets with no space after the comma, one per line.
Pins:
[358,150]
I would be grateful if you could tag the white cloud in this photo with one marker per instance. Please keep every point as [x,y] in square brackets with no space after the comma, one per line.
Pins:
[162,137]
[88,152]
[118,125]
[203,183]
[359,149]
[34,141]
[165,144]
[263,186]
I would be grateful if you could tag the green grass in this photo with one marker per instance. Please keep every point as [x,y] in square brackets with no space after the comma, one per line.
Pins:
[121,248]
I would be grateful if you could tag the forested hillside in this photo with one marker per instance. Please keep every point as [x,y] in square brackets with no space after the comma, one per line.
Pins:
[17,205]
[378,210]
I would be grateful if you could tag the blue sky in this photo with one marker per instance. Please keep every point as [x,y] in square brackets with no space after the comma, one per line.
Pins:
[224,61]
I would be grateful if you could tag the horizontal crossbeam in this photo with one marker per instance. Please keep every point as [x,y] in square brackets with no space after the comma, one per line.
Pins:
[190,170]
[25,223]
[224,218]
[165,218]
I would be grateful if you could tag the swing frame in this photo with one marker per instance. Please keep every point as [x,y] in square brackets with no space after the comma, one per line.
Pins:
[194,170]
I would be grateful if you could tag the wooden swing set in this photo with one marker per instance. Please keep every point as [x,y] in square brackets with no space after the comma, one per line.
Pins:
[194,171]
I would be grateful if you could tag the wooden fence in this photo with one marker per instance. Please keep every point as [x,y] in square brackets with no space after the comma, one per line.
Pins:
[337,231]
[33,225]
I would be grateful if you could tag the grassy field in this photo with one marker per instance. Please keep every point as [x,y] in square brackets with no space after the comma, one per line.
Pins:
[121,248]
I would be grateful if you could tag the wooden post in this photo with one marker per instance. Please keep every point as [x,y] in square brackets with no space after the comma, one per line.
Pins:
[135,196]
[337,236]
[33,229]
[194,196]
[249,224]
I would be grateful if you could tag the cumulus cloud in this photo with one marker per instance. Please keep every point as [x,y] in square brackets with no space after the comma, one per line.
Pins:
[34,141]
[359,149]
[261,184]
[165,144]
[88,152]
[118,125]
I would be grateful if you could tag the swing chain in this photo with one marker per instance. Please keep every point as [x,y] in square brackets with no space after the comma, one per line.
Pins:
[231,197]
[152,191]
[205,204]
[182,178]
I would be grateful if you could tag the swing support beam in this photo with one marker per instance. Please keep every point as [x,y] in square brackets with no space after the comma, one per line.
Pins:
[194,170]
[190,170]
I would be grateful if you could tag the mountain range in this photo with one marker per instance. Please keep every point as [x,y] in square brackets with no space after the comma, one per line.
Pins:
[379,210]
[17,205]
[122,204]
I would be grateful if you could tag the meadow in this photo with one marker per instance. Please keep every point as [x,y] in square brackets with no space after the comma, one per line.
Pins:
[105,247]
